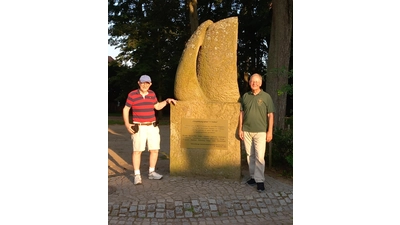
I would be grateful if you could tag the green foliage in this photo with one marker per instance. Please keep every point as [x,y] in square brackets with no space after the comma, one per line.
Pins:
[282,149]
[152,35]
[115,122]
[289,159]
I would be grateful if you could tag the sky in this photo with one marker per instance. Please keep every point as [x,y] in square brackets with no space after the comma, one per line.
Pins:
[112,51]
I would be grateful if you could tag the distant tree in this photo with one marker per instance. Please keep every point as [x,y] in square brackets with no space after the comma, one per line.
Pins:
[253,39]
[151,36]
[279,57]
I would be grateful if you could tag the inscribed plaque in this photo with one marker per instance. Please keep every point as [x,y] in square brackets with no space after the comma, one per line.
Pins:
[204,133]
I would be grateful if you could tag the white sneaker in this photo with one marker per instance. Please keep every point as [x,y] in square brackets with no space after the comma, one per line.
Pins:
[155,176]
[138,179]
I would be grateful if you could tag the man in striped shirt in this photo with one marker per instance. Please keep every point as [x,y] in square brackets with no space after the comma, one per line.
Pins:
[143,128]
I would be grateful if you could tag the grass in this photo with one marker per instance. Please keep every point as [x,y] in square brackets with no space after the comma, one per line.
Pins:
[117,120]
[191,209]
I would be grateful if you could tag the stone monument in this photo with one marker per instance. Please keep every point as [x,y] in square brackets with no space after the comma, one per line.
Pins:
[204,140]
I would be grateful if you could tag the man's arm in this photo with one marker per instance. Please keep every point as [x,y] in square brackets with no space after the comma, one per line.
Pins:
[240,131]
[270,126]
[161,105]
[125,116]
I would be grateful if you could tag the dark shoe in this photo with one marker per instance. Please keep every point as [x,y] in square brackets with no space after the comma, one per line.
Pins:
[260,187]
[251,182]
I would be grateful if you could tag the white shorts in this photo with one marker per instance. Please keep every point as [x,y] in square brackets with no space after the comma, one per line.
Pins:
[147,136]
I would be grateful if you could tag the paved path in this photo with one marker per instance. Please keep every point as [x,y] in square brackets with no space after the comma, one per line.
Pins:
[184,200]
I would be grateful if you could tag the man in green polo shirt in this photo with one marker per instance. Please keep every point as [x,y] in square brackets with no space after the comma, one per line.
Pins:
[256,122]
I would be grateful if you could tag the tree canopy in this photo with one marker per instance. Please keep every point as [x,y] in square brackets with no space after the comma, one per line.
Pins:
[151,36]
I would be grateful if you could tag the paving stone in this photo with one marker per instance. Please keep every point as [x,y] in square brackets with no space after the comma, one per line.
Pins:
[245,207]
[114,213]
[188,214]
[248,213]
[160,206]
[125,204]
[252,204]
[160,214]
[237,206]
[207,213]
[197,209]
[170,214]
[141,214]
[261,205]
[187,205]
[213,207]
[249,197]
[271,195]
[151,207]
[123,210]
[133,208]
[178,203]
[204,205]
[142,207]
[215,214]
[282,202]
[179,210]
[271,209]
[228,204]
[195,202]
[264,210]
[255,211]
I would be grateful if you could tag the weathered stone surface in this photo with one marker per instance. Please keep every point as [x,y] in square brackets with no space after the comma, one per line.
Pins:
[217,61]
[215,163]
[207,70]
[187,86]
[206,88]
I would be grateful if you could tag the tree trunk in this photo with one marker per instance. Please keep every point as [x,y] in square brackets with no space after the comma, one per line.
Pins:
[194,21]
[279,57]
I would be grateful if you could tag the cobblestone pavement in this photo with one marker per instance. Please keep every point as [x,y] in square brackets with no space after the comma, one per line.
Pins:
[202,201]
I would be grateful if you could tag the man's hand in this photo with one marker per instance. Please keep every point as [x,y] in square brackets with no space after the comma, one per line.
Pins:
[241,135]
[269,136]
[129,128]
[169,100]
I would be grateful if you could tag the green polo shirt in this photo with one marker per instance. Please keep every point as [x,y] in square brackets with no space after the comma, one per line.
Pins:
[256,108]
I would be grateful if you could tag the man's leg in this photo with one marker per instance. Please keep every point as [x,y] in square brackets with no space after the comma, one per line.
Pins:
[153,146]
[249,147]
[153,158]
[259,146]
[138,147]
[136,155]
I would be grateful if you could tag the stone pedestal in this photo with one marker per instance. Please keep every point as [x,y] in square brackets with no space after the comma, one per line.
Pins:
[212,126]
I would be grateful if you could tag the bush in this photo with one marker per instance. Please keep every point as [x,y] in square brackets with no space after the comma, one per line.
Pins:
[282,148]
